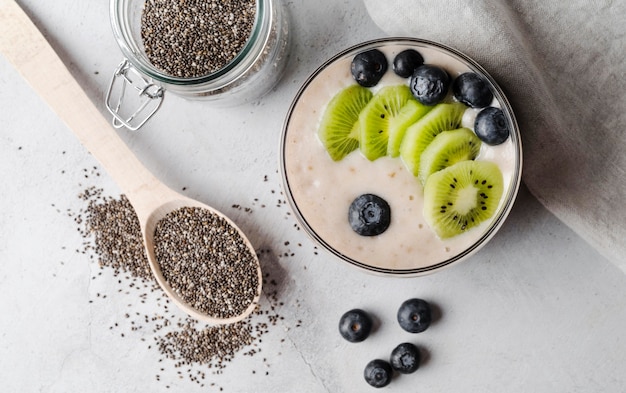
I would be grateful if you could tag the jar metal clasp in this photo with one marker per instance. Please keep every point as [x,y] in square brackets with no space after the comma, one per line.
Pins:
[145,103]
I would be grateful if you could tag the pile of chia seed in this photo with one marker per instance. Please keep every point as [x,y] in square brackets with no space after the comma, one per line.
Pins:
[192,38]
[117,238]
[206,261]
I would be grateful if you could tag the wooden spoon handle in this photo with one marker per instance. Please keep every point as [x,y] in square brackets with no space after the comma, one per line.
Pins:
[33,57]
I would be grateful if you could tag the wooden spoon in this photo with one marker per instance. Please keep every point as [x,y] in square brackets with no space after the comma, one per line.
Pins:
[30,53]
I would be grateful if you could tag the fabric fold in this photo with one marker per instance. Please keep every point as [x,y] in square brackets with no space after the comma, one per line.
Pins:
[563,68]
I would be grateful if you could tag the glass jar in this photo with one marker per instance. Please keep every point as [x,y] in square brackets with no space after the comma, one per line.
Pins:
[253,71]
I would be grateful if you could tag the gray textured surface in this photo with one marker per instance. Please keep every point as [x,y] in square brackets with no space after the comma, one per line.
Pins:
[536,310]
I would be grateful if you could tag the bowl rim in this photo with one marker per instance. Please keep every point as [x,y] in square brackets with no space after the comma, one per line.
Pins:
[497,221]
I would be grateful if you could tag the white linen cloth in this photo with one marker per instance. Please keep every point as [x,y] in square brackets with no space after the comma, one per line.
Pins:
[562,65]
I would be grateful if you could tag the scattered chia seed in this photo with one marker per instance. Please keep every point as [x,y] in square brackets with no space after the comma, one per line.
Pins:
[116,234]
[188,342]
[113,240]
[191,38]
[185,342]
[206,262]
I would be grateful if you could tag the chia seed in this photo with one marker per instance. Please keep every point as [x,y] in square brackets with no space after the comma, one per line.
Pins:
[116,233]
[112,238]
[206,262]
[192,38]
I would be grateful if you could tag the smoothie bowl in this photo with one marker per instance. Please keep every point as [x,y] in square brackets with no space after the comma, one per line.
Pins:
[401,156]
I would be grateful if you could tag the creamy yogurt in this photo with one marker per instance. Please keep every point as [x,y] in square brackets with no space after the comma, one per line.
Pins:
[321,190]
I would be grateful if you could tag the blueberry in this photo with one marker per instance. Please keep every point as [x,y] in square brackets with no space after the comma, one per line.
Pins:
[368,67]
[472,90]
[429,84]
[405,62]
[491,126]
[405,358]
[369,215]
[378,373]
[355,325]
[414,315]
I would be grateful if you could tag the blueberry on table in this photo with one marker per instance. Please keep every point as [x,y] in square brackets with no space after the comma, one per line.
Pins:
[472,90]
[405,358]
[355,325]
[368,67]
[491,126]
[429,84]
[378,373]
[405,62]
[369,215]
[414,315]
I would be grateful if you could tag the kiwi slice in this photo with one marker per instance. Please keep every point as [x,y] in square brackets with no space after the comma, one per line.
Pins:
[408,114]
[448,148]
[418,136]
[376,116]
[339,127]
[462,196]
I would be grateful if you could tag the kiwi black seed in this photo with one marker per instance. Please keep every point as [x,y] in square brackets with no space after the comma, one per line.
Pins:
[418,136]
[448,148]
[376,116]
[339,127]
[462,196]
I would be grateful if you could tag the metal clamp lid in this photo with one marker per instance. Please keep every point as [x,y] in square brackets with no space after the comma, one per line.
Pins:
[147,100]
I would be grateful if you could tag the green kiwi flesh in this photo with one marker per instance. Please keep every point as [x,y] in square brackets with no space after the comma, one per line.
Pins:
[462,196]
[408,114]
[339,127]
[376,116]
[448,148]
[443,117]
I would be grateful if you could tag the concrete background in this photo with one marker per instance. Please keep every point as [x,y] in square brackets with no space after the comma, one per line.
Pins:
[536,310]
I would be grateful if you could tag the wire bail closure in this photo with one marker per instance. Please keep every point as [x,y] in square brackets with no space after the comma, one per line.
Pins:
[147,100]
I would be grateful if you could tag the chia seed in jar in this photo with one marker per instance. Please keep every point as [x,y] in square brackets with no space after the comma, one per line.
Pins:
[227,52]
[191,38]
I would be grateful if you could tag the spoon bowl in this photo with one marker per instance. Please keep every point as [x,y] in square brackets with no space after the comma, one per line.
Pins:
[23,45]
[148,228]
